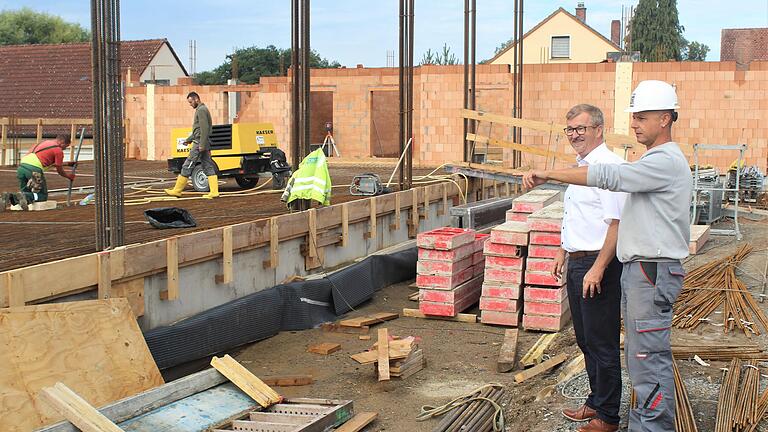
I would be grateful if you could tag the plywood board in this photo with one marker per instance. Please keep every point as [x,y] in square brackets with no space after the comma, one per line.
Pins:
[94,347]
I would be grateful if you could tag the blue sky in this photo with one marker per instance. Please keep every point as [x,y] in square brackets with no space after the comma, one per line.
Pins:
[353,32]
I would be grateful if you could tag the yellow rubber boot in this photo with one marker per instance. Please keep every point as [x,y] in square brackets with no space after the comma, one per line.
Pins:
[213,186]
[181,183]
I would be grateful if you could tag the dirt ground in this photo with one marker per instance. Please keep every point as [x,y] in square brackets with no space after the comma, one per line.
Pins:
[461,357]
[28,238]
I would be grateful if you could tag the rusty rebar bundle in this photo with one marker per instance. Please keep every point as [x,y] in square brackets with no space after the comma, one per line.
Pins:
[719,352]
[684,419]
[715,284]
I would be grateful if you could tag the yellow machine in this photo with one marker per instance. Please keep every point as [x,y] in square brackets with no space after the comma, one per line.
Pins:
[245,151]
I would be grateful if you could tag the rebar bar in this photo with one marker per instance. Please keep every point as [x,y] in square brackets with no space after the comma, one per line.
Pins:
[684,418]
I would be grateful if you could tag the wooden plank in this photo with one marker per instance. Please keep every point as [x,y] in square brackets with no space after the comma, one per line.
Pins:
[426,202]
[534,355]
[344,225]
[94,346]
[507,352]
[413,229]
[338,328]
[398,349]
[521,147]
[371,234]
[76,409]
[105,275]
[46,280]
[312,232]
[445,199]
[274,240]
[358,422]
[39,132]
[612,139]
[16,292]
[573,368]
[249,383]
[367,320]
[461,317]
[172,269]
[288,380]
[383,354]
[227,257]
[398,204]
[324,348]
[541,368]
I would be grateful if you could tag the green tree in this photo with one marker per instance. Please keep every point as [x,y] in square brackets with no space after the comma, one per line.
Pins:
[656,31]
[695,51]
[25,26]
[446,57]
[254,63]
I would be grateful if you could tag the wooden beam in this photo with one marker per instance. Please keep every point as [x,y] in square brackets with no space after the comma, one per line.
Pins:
[461,317]
[312,232]
[227,267]
[534,355]
[172,269]
[75,409]
[508,351]
[507,189]
[521,147]
[367,320]
[324,348]
[383,357]
[358,422]
[371,234]
[540,368]
[105,275]
[414,228]
[396,225]
[249,383]
[274,241]
[344,225]
[573,368]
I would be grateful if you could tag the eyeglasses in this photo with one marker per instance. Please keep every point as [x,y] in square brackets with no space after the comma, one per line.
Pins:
[580,130]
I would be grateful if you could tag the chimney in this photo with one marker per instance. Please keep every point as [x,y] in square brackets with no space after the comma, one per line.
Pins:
[616,32]
[581,12]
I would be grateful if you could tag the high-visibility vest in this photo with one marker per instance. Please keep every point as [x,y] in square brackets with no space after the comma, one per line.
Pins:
[312,180]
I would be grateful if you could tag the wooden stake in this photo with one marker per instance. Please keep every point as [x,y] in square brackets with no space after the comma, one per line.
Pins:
[72,138]
[227,268]
[426,202]
[172,265]
[507,189]
[508,351]
[383,350]
[414,228]
[396,225]
[445,199]
[274,241]
[3,139]
[39,130]
[372,226]
[105,275]
[312,219]
[344,225]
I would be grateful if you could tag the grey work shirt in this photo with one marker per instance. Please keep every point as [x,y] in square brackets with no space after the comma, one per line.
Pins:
[201,127]
[655,222]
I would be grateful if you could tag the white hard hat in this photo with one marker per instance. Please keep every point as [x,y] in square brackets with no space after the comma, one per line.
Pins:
[653,95]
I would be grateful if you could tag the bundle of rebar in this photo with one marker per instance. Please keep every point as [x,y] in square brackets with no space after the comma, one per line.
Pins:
[719,352]
[715,284]
[476,415]
[684,419]
[738,407]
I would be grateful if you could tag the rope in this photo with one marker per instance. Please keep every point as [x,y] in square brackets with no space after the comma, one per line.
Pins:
[428,411]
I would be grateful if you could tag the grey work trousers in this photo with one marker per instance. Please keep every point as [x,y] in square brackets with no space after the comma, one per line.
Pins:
[649,289]
[196,155]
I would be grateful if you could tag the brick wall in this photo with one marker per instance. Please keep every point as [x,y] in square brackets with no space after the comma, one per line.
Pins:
[720,105]
[744,45]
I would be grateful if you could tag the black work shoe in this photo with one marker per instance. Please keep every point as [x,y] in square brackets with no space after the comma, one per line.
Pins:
[22,201]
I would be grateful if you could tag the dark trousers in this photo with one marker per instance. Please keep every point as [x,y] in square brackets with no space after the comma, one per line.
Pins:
[596,321]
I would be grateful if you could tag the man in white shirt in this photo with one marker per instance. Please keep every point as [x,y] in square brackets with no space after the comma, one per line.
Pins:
[589,234]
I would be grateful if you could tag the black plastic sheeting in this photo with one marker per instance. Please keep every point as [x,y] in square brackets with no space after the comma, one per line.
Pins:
[295,306]
[169,217]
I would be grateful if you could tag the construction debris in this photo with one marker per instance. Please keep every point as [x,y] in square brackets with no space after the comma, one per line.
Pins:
[541,368]
[249,383]
[392,356]
[368,320]
[324,348]
[507,352]
[535,354]
[714,284]
[479,410]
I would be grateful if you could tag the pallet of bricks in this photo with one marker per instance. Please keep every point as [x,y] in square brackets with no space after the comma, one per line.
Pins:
[507,255]
[449,270]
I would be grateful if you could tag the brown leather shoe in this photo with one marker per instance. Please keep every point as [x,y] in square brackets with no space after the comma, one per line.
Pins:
[597,425]
[583,413]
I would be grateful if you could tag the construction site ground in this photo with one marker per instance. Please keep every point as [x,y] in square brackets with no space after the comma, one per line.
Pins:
[461,357]
[28,238]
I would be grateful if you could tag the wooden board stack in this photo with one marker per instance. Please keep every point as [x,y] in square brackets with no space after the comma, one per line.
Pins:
[446,270]
[546,298]
[405,357]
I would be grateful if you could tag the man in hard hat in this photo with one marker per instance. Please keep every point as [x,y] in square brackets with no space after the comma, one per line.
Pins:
[30,173]
[653,239]
[200,151]
[593,276]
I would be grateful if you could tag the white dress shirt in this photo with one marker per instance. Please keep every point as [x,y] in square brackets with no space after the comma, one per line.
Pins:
[589,210]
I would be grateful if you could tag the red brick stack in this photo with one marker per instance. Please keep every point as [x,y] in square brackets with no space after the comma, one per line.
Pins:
[504,265]
[478,258]
[445,271]
[546,299]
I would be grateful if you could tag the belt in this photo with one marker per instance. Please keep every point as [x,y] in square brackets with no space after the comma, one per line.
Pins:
[582,254]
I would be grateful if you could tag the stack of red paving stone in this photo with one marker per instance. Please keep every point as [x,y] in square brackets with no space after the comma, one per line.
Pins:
[446,271]
[546,298]
[504,265]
